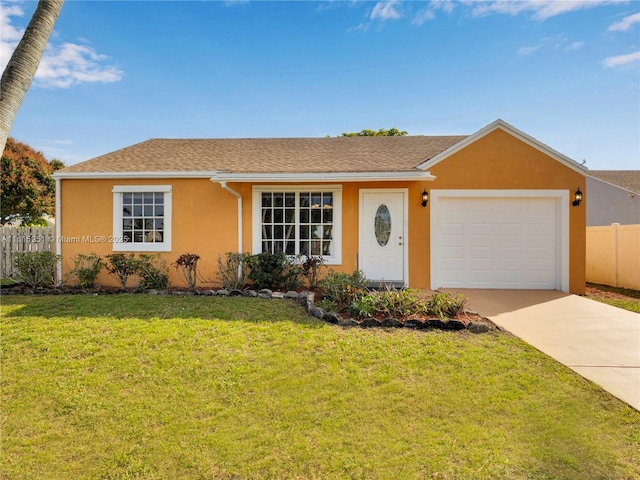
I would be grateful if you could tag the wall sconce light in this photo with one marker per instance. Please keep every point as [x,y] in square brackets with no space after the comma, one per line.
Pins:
[577,198]
[425,198]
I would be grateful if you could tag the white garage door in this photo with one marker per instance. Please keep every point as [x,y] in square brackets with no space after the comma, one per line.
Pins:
[509,243]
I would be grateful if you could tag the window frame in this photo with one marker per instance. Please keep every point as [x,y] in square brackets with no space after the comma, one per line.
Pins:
[117,243]
[335,190]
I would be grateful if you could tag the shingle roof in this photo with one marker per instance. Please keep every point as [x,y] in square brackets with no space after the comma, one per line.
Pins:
[627,179]
[271,155]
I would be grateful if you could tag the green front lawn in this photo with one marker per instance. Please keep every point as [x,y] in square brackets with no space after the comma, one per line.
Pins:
[154,387]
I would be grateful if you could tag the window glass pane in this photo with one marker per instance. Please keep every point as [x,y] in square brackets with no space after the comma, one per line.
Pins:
[290,215]
[285,215]
[142,214]
[290,200]
[382,225]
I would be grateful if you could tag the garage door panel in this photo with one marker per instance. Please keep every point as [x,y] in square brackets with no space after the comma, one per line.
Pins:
[497,242]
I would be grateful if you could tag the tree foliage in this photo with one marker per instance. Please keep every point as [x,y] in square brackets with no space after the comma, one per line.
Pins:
[392,132]
[27,190]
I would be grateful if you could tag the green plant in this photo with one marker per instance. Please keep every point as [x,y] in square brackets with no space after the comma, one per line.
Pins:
[233,270]
[444,305]
[390,303]
[187,265]
[37,269]
[343,289]
[153,271]
[121,266]
[274,270]
[311,269]
[86,268]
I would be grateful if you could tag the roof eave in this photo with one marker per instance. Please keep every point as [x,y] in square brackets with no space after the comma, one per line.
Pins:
[323,176]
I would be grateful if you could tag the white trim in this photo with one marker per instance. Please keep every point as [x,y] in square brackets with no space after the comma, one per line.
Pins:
[256,247]
[324,176]
[120,246]
[562,206]
[58,230]
[520,135]
[405,226]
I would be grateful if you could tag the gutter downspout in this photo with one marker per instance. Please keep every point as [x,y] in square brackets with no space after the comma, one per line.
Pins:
[223,184]
[58,232]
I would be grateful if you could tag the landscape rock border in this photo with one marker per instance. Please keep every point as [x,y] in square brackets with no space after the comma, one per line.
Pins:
[305,298]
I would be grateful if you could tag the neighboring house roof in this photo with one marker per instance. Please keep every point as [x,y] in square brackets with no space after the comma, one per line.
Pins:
[626,179]
[270,155]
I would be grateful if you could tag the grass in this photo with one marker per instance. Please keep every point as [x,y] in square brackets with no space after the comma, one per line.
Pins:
[618,297]
[141,387]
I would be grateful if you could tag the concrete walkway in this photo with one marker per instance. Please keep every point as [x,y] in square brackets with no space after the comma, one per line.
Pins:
[598,341]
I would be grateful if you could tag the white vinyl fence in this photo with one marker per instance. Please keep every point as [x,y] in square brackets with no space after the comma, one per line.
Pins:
[23,239]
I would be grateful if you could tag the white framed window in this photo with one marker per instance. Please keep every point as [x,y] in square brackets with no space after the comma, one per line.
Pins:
[141,218]
[300,220]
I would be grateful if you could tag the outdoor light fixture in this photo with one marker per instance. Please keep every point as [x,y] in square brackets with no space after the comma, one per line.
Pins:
[425,198]
[577,198]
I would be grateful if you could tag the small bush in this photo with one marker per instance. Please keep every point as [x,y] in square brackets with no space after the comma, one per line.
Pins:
[445,305]
[274,271]
[121,266]
[342,290]
[311,269]
[390,303]
[187,264]
[153,271]
[86,269]
[37,269]
[233,270]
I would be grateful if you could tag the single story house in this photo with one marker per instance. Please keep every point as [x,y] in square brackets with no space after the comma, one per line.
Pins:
[614,197]
[495,209]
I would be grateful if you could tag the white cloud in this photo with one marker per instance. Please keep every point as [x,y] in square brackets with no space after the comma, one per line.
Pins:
[62,65]
[574,46]
[423,17]
[386,11]
[524,51]
[541,9]
[622,60]
[625,24]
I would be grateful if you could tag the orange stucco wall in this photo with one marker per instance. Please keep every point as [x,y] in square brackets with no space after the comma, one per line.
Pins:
[205,215]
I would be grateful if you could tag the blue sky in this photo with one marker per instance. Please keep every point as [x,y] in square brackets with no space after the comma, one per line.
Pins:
[118,72]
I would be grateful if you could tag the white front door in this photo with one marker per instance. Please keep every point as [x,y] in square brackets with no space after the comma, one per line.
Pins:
[383,235]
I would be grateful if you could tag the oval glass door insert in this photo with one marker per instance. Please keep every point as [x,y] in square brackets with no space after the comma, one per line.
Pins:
[382,225]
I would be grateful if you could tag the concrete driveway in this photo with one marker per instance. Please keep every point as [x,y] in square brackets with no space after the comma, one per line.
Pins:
[598,341]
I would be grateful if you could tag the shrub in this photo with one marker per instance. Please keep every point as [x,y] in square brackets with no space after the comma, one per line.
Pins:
[444,305]
[311,269]
[37,269]
[187,264]
[153,271]
[390,303]
[274,271]
[233,270]
[342,290]
[121,266]
[86,268]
